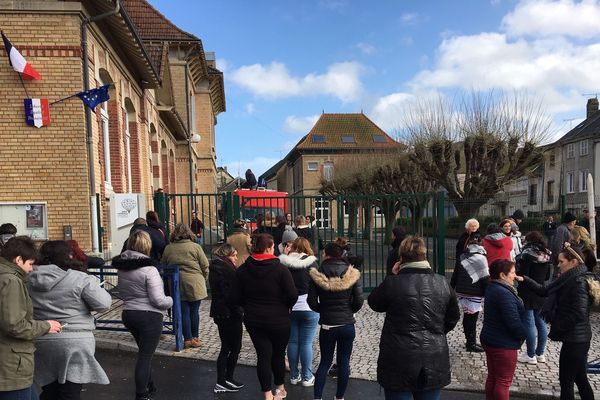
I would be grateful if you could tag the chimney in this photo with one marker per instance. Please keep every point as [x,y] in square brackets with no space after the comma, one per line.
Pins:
[211,59]
[592,106]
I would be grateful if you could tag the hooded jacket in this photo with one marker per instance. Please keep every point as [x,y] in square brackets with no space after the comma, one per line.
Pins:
[498,246]
[475,258]
[193,268]
[534,262]
[266,291]
[222,284]
[158,240]
[300,265]
[420,309]
[335,292]
[17,329]
[67,296]
[140,284]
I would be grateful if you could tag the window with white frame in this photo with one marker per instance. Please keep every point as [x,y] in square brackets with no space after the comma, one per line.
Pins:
[106,142]
[571,150]
[584,148]
[570,182]
[583,180]
[312,166]
[328,171]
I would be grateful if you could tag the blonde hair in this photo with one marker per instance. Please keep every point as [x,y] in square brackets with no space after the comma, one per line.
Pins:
[301,245]
[140,241]
[412,249]
[300,220]
[580,234]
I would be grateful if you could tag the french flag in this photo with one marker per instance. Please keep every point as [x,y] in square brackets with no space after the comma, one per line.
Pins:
[19,63]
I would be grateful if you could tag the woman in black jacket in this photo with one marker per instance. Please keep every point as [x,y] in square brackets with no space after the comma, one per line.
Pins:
[227,316]
[399,235]
[335,292]
[567,309]
[534,262]
[266,291]
[420,309]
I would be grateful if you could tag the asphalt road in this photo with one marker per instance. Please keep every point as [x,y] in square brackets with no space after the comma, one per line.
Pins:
[181,379]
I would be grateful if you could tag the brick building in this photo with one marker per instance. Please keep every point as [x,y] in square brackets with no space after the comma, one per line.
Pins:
[165,89]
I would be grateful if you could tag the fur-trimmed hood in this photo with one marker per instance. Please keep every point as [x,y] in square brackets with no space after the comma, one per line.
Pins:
[336,283]
[594,289]
[130,260]
[298,260]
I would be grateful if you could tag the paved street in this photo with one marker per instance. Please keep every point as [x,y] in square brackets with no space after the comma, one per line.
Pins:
[183,379]
[468,369]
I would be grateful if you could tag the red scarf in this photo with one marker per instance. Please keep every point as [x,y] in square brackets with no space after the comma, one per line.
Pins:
[262,256]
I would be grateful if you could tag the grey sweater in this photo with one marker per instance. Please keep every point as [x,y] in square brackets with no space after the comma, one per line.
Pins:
[140,284]
[67,296]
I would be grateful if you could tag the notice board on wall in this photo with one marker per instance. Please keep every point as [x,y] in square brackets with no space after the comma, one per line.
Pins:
[31,219]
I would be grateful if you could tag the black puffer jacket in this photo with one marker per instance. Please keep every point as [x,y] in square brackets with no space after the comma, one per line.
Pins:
[420,309]
[335,292]
[222,285]
[299,266]
[534,262]
[569,300]
[461,281]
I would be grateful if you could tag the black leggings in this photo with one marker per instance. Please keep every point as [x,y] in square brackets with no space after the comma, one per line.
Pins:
[572,369]
[470,328]
[146,328]
[64,391]
[270,345]
[230,332]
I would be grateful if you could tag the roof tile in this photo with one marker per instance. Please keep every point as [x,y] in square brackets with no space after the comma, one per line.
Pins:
[152,25]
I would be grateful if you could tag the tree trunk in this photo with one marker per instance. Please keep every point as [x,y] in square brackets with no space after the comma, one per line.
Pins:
[367,218]
[390,211]
[467,208]
[352,217]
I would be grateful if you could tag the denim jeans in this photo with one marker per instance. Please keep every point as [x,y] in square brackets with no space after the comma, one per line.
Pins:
[190,318]
[22,394]
[433,394]
[300,346]
[536,327]
[343,337]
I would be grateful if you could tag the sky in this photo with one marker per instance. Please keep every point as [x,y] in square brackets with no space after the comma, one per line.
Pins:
[287,61]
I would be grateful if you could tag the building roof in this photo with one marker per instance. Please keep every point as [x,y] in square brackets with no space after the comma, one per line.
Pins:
[346,131]
[152,25]
[586,129]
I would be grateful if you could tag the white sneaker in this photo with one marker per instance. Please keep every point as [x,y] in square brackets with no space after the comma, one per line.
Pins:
[524,358]
[541,359]
[295,380]
[309,382]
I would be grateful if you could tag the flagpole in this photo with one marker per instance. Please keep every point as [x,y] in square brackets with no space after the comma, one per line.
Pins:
[63,99]
[23,84]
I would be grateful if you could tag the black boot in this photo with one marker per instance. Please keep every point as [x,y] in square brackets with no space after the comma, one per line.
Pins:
[143,396]
[151,389]
[474,348]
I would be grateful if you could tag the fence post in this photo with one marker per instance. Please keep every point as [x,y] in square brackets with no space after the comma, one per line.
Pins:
[100,227]
[160,205]
[563,205]
[441,234]
[176,310]
[340,215]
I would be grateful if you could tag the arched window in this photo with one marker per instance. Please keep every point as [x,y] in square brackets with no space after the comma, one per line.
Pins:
[129,117]
[105,79]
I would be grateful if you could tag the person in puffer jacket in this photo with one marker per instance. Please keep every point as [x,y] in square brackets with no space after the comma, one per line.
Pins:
[469,280]
[421,309]
[145,305]
[497,245]
[336,293]
[567,309]
[534,262]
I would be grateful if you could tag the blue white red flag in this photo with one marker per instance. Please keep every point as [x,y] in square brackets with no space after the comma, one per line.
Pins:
[18,62]
[37,112]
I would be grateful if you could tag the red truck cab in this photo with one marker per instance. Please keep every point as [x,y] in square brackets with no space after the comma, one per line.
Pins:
[269,203]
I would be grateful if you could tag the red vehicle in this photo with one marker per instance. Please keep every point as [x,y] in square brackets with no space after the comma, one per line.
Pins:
[269,203]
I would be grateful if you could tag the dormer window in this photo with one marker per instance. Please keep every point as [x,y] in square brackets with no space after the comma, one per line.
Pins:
[379,138]
[318,138]
[348,139]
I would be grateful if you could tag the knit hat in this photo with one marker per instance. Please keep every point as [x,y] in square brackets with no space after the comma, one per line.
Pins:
[568,217]
[518,214]
[288,235]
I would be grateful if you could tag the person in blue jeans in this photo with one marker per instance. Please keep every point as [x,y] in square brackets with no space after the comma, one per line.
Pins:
[336,293]
[534,262]
[298,257]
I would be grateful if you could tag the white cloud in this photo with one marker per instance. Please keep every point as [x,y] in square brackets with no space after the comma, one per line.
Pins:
[296,124]
[409,18]
[388,110]
[342,80]
[250,108]
[547,18]
[366,48]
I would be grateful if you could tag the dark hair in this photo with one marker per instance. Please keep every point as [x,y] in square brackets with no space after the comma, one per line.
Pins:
[19,246]
[474,239]
[506,221]
[342,242]
[572,252]
[152,216]
[333,250]
[59,253]
[280,219]
[493,228]
[412,248]
[399,236]
[499,266]
[535,237]
[262,242]
[140,221]
[8,229]
[239,223]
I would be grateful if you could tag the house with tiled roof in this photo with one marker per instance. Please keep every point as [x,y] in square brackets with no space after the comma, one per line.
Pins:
[81,168]
[335,141]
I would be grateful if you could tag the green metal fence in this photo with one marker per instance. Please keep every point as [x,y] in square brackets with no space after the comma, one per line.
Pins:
[365,221]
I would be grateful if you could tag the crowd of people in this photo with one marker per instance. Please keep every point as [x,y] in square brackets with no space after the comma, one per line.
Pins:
[271,282]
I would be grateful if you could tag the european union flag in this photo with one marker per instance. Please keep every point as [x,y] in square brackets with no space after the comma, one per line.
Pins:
[93,97]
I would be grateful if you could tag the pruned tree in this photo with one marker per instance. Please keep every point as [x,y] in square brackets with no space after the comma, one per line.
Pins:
[476,144]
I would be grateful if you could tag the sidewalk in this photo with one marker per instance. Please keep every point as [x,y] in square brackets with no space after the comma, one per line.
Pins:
[468,369]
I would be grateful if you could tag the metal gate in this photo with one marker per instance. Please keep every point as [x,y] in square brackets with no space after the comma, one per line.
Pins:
[365,221]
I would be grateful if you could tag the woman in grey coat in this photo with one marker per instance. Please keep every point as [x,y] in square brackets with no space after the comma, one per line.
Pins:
[61,289]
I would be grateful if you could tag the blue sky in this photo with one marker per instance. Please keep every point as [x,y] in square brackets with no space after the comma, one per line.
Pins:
[286,61]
